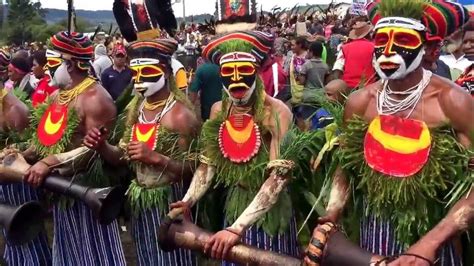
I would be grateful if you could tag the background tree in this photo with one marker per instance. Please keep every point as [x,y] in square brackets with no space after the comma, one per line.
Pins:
[23,16]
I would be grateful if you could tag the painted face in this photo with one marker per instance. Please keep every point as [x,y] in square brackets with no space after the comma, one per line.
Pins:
[62,78]
[238,79]
[53,61]
[398,52]
[148,75]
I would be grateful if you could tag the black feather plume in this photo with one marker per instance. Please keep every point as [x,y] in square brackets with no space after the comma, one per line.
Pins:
[124,20]
[162,13]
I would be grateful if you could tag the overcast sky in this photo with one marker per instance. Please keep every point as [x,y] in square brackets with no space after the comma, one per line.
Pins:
[193,7]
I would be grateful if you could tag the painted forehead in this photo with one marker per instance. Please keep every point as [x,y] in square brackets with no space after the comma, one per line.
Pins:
[52,54]
[144,61]
[237,57]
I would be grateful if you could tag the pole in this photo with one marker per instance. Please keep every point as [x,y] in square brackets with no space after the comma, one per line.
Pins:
[184,11]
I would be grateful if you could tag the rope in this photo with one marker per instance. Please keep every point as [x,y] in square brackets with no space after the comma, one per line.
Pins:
[285,164]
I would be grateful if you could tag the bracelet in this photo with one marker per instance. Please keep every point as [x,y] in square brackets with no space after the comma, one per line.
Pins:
[232,231]
[393,258]
[417,256]
[205,160]
[45,163]
[318,242]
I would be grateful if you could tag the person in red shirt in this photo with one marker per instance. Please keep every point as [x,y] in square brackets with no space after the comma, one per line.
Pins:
[270,72]
[354,61]
[43,89]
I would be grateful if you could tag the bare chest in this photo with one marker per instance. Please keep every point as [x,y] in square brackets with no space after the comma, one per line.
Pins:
[428,110]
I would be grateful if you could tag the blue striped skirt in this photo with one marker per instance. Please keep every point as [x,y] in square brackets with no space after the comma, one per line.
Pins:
[80,240]
[378,236]
[284,244]
[35,252]
[145,234]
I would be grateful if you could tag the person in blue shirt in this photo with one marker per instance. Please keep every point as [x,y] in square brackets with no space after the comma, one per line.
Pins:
[334,91]
[116,78]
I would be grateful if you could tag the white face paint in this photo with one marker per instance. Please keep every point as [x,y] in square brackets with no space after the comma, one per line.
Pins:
[147,89]
[402,71]
[62,78]
[245,99]
[148,76]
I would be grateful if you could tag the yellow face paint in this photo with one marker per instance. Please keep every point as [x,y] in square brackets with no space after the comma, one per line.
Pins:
[52,63]
[235,70]
[394,36]
[147,72]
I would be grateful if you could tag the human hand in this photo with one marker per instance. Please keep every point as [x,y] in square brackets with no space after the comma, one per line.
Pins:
[332,216]
[420,254]
[219,245]
[185,208]
[95,138]
[139,151]
[36,174]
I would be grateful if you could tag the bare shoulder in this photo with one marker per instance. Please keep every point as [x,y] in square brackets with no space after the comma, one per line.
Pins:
[357,102]
[184,120]
[16,113]
[456,103]
[97,99]
[280,108]
[216,109]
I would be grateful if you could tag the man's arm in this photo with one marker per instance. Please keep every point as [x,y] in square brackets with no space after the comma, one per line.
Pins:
[203,176]
[186,124]
[279,177]
[458,106]
[340,190]
[338,68]
[17,115]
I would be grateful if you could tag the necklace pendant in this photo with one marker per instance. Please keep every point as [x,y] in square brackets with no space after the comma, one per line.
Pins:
[146,133]
[52,125]
[397,147]
[239,138]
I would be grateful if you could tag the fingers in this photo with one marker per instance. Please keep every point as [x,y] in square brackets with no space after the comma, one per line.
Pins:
[93,138]
[89,142]
[27,176]
[225,251]
[175,205]
[215,249]
[208,246]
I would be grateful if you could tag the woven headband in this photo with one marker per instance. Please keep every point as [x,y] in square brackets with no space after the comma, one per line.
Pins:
[260,42]
[73,45]
[401,22]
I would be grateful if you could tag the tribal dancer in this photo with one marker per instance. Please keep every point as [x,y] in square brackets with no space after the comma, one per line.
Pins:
[160,127]
[415,132]
[13,120]
[242,140]
[60,125]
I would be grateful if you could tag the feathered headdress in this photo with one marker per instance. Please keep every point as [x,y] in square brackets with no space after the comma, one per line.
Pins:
[144,19]
[254,43]
[437,19]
